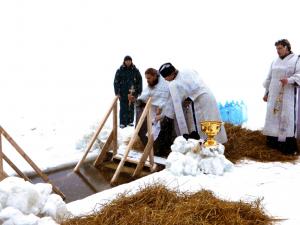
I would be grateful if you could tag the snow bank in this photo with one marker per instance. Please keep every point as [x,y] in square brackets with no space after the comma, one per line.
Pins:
[22,202]
[189,157]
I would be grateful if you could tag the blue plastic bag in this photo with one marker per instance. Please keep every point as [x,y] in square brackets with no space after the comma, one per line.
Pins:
[234,112]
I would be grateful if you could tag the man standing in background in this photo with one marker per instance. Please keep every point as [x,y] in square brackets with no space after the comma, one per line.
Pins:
[281,97]
[128,86]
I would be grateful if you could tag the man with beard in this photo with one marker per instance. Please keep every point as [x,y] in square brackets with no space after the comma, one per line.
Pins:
[163,127]
[281,96]
[190,102]
[128,86]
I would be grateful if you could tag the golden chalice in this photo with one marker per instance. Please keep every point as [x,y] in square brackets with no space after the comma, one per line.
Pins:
[211,129]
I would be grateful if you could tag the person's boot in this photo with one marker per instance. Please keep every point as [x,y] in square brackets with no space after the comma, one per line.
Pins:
[272,142]
[290,146]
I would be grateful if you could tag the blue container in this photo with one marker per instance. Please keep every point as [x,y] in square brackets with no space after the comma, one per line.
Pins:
[233,112]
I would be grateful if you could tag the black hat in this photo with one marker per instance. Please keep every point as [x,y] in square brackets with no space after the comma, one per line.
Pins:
[127,57]
[166,69]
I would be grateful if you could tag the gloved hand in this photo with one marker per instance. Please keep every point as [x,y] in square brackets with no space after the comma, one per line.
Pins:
[192,135]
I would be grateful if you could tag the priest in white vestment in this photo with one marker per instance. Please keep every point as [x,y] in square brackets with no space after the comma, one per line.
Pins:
[281,97]
[162,128]
[190,101]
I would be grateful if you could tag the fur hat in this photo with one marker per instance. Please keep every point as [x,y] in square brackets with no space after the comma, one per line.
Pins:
[166,69]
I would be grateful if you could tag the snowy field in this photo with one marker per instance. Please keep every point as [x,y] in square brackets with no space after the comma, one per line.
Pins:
[58,60]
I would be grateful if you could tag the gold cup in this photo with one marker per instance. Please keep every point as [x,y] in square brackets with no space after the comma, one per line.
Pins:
[211,129]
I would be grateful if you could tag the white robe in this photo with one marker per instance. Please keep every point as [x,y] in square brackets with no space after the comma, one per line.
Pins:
[159,94]
[186,84]
[282,123]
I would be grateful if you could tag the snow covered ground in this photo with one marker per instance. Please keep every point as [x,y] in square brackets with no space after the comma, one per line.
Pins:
[58,59]
[276,183]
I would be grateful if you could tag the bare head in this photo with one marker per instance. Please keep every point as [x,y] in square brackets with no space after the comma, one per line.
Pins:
[151,76]
[283,47]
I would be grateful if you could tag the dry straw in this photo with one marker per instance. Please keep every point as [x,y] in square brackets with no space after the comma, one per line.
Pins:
[243,143]
[246,144]
[156,205]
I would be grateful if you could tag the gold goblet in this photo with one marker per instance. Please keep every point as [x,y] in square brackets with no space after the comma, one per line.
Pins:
[211,129]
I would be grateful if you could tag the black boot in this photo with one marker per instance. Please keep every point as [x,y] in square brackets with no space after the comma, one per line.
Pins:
[289,147]
[272,142]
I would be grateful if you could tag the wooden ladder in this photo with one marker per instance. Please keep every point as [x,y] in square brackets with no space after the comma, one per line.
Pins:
[112,139]
[3,174]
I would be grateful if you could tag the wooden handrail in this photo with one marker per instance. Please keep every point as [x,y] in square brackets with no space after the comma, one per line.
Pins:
[1,158]
[112,139]
[28,160]
[148,151]
[115,129]
[15,168]
[113,107]
[134,137]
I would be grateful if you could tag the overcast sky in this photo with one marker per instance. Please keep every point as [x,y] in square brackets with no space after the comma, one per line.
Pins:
[58,56]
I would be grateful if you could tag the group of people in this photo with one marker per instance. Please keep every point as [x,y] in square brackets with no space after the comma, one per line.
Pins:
[181,100]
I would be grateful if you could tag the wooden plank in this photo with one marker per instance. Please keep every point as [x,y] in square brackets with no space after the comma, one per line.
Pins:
[31,163]
[91,143]
[148,147]
[104,150]
[1,158]
[86,181]
[149,130]
[3,175]
[132,160]
[132,140]
[115,129]
[15,168]
[24,155]
[142,160]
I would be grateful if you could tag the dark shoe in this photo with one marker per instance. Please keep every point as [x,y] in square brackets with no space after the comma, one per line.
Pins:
[272,142]
[289,147]
[122,126]
[131,124]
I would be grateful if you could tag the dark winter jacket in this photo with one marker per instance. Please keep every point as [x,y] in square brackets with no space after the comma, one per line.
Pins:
[125,78]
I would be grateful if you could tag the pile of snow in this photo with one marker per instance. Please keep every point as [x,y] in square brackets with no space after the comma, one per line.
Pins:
[22,202]
[124,136]
[189,157]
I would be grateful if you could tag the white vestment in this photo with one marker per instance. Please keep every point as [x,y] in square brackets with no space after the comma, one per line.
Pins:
[282,108]
[159,94]
[188,84]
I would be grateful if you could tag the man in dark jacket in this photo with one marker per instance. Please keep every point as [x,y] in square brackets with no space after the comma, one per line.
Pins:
[128,86]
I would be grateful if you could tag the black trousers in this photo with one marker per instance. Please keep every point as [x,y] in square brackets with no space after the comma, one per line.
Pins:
[288,147]
[166,136]
[126,111]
